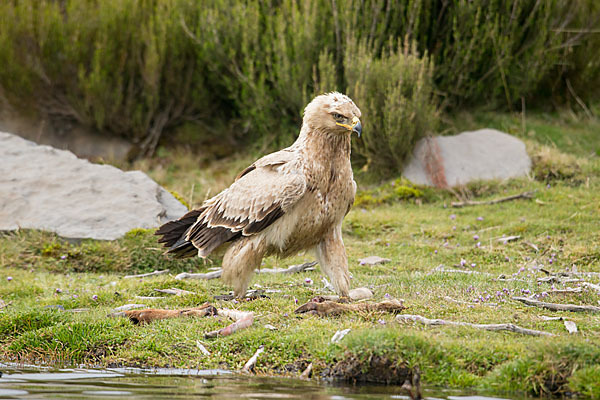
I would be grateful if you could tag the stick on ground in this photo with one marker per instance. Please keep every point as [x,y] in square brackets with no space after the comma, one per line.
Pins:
[252,361]
[209,275]
[289,270]
[154,273]
[175,291]
[488,327]
[557,307]
[306,373]
[524,195]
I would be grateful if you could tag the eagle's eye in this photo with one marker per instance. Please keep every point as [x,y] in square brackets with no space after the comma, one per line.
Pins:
[338,117]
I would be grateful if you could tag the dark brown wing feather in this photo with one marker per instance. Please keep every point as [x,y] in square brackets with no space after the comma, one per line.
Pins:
[260,196]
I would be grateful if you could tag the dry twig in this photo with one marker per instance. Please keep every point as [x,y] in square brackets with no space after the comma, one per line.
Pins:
[524,195]
[175,291]
[557,307]
[306,373]
[202,348]
[154,273]
[209,275]
[591,286]
[488,327]
[442,268]
[289,270]
[252,361]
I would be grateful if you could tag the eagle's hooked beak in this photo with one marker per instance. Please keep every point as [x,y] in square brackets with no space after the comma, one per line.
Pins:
[354,127]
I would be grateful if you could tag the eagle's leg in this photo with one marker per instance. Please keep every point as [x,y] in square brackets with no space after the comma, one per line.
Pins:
[240,261]
[331,254]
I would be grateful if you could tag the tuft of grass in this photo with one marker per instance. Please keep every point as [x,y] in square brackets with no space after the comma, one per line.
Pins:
[397,190]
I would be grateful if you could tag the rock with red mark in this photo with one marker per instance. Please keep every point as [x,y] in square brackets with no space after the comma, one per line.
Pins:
[446,161]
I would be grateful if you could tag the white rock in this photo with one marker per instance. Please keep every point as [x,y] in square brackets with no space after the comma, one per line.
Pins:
[360,294]
[571,326]
[470,156]
[373,260]
[53,190]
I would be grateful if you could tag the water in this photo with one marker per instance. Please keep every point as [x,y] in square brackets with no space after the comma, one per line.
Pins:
[134,384]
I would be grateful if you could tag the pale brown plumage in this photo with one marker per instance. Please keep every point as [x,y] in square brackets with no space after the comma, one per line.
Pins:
[291,200]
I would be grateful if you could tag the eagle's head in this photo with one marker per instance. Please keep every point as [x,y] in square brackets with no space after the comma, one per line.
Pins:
[335,112]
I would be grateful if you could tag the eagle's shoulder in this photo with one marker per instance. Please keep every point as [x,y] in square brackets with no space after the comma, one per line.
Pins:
[272,160]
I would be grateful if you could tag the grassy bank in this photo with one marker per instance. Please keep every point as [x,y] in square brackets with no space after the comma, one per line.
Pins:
[558,229]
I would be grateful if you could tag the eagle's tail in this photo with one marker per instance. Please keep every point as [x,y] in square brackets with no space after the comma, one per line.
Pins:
[173,235]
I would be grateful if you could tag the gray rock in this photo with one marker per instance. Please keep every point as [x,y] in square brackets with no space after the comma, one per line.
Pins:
[49,189]
[445,161]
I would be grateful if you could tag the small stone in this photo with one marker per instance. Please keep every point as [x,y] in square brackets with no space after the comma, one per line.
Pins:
[373,260]
[360,294]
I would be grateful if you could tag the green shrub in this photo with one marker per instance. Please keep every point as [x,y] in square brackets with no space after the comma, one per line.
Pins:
[243,71]
[394,93]
[124,67]
[586,382]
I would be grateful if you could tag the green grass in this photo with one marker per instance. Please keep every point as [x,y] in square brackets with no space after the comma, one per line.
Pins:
[417,233]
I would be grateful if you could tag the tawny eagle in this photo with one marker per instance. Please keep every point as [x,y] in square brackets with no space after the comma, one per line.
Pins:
[285,202]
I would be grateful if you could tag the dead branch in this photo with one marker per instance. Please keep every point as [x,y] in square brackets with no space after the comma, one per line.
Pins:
[339,335]
[571,273]
[507,239]
[470,303]
[591,286]
[289,270]
[442,268]
[559,279]
[488,327]
[306,373]
[524,195]
[175,291]
[252,361]
[557,307]
[202,348]
[504,278]
[154,273]
[209,275]
[567,290]
[328,308]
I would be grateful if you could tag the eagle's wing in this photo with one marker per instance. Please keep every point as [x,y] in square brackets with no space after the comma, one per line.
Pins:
[261,194]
